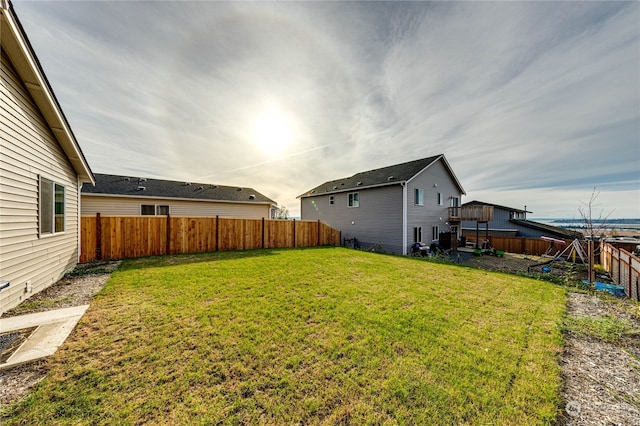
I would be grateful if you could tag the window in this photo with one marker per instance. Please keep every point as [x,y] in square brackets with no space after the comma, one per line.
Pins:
[52,207]
[455,202]
[435,233]
[417,234]
[354,200]
[439,198]
[418,197]
[331,200]
[154,209]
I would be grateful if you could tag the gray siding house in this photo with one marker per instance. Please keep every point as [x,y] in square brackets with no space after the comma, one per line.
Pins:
[393,206]
[127,195]
[41,171]
[512,222]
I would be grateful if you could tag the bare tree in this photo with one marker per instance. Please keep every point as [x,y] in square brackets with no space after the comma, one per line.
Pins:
[282,212]
[594,227]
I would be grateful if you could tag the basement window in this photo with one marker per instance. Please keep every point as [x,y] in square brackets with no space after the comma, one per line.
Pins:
[51,207]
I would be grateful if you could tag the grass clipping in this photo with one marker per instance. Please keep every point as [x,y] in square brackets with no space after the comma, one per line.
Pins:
[314,336]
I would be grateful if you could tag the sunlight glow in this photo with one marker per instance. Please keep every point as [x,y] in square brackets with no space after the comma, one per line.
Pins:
[273,130]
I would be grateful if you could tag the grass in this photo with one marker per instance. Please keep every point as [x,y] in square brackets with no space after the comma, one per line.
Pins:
[36,305]
[313,336]
[606,327]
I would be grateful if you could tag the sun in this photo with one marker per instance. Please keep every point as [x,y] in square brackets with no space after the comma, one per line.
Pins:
[272,130]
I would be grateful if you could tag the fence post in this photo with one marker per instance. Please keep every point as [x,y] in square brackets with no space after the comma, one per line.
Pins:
[167,248]
[295,242]
[262,232]
[318,231]
[629,277]
[619,266]
[217,233]
[98,237]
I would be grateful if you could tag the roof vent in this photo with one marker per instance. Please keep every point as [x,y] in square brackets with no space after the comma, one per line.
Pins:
[391,177]
[127,178]
[187,184]
[142,180]
[213,186]
[359,183]
[313,191]
[142,188]
[252,196]
[239,189]
[335,187]
[201,187]
[342,183]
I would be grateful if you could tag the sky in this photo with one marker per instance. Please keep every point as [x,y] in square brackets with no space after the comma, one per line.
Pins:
[532,103]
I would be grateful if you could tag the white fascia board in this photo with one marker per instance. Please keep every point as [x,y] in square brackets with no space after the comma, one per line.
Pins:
[59,126]
[449,169]
[151,197]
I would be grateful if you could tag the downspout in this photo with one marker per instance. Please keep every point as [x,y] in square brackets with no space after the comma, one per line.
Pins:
[404,218]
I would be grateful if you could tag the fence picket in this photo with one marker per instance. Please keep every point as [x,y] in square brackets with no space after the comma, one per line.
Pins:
[121,237]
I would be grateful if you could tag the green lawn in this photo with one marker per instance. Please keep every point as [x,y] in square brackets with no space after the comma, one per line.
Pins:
[313,336]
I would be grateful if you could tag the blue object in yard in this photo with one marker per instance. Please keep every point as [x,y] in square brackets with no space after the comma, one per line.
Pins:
[546,269]
[616,290]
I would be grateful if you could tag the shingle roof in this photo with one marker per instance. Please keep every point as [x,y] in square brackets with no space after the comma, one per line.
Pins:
[391,175]
[552,231]
[144,187]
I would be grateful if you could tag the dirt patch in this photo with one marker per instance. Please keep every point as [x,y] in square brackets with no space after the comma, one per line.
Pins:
[72,290]
[601,380]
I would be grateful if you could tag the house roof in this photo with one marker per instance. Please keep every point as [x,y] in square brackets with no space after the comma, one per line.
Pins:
[550,230]
[16,45]
[391,175]
[129,186]
[481,203]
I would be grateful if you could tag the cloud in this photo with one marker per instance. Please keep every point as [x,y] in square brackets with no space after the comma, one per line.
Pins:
[526,99]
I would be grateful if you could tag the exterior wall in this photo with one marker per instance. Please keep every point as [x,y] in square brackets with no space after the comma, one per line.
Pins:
[28,150]
[378,219]
[435,179]
[502,225]
[108,205]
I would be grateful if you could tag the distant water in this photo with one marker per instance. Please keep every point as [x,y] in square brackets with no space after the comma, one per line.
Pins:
[609,224]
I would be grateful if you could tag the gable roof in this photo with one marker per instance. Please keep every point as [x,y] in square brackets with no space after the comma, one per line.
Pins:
[481,203]
[16,45]
[391,175]
[129,186]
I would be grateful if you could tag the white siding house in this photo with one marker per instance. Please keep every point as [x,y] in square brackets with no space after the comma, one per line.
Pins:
[126,195]
[41,172]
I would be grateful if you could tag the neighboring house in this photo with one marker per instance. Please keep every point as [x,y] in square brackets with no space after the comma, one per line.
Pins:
[512,222]
[393,207]
[41,171]
[127,195]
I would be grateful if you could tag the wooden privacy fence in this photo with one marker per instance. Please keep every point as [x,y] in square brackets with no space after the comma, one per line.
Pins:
[623,267]
[532,246]
[123,237]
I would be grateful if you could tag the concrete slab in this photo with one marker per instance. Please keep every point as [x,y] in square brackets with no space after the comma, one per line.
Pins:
[53,328]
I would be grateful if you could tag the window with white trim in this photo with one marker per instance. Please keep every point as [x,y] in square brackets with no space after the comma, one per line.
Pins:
[440,198]
[435,233]
[154,210]
[418,197]
[417,234]
[354,200]
[51,207]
